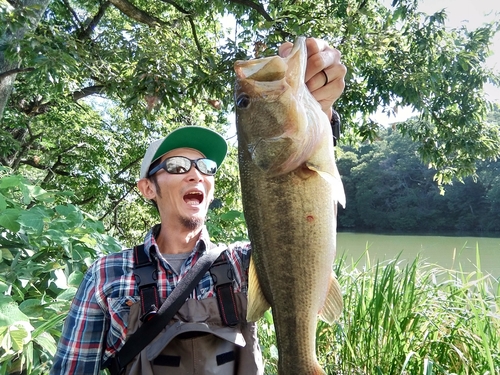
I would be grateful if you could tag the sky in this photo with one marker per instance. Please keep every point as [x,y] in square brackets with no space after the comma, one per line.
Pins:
[472,14]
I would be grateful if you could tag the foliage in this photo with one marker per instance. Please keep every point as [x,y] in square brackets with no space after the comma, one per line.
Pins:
[388,188]
[88,86]
[46,245]
[96,81]
[408,319]
[225,221]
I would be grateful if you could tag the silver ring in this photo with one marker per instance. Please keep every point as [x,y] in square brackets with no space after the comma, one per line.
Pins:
[326,78]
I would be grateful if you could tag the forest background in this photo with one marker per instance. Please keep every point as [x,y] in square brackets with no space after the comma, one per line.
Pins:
[85,86]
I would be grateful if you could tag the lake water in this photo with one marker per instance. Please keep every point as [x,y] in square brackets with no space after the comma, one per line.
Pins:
[450,252]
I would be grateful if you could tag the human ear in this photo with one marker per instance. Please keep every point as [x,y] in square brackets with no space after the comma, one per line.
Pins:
[147,189]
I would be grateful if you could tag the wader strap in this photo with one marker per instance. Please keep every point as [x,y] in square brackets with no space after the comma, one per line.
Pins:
[223,276]
[146,277]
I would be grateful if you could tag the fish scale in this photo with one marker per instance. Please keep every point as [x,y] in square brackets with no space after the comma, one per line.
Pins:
[290,190]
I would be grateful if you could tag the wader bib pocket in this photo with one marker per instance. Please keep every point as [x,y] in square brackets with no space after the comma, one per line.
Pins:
[196,348]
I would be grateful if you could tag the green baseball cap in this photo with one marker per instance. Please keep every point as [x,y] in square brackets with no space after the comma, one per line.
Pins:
[208,142]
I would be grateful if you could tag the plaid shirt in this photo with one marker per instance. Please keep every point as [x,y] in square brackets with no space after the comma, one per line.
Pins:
[96,326]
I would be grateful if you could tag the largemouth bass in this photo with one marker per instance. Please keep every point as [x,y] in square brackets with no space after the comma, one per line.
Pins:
[290,189]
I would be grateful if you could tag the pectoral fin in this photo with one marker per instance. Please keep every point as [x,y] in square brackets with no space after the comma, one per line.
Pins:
[333,179]
[333,303]
[257,303]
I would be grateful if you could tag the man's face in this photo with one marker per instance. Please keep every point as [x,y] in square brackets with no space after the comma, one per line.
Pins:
[183,197]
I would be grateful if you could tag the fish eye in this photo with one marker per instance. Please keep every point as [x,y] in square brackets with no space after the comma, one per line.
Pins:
[243,101]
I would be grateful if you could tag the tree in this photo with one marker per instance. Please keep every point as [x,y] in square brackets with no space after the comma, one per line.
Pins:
[85,85]
[26,15]
[388,188]
[97,80]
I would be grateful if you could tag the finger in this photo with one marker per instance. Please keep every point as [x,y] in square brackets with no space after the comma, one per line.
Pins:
[321,60]
[315,45]
[325,76]
[329,94]
[284,49]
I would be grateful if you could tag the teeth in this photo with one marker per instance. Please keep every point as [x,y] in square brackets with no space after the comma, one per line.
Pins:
[194,202]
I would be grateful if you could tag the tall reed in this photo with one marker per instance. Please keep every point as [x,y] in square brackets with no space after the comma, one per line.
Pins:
[414,318]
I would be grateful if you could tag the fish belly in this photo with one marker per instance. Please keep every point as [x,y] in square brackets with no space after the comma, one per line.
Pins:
[292,230]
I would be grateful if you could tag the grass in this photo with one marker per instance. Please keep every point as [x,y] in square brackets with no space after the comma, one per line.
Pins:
[414,318]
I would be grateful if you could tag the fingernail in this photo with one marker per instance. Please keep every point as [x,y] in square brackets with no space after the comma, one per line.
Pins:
[286,52]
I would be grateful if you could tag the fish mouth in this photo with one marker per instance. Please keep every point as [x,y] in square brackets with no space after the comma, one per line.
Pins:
[194,197]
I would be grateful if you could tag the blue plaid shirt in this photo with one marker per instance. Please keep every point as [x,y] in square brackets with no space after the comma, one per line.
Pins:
[96,326]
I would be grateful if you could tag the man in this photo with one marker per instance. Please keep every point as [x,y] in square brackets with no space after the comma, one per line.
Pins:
[177,174]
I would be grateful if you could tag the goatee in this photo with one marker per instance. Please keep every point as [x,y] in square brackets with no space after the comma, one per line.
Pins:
[192,223]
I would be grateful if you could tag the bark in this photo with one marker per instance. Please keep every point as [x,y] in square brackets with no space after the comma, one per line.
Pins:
[135,13]
[8,69]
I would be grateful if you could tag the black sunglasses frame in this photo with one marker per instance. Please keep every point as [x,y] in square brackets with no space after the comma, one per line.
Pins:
[163,165]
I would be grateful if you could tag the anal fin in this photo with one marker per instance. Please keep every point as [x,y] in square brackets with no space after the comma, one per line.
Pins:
[333,305]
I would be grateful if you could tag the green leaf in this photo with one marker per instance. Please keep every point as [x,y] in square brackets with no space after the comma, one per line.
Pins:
[11,181]
[3,287]
[3,203]
[47,342]
[26,193]
[32,219]
[231,215]
[19,335]
[6,254]
[75,279]
[40,194]
[71,213]
[9,312]
[68,294]
[8,219]
[32,307]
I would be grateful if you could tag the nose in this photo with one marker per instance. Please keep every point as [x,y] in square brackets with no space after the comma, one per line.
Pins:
[194,174]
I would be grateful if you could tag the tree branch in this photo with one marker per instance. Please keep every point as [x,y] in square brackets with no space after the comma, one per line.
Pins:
[35,107]
[73,13]
[255,6]
[117,202]
[43,167]
[15,71]
[86,91]
[85,33]
[136,14]
[126,168]
[191,22]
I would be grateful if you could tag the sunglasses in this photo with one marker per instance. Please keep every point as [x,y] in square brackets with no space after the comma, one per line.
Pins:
[181,165]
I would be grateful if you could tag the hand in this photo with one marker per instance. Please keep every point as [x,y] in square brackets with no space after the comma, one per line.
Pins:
[321,58]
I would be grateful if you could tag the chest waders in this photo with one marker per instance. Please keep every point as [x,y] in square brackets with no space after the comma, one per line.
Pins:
[208,336]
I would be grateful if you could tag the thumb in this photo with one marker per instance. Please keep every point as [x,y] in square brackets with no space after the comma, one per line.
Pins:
[284,49]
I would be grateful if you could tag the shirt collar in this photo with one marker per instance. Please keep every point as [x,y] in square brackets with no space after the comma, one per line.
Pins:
[202,245]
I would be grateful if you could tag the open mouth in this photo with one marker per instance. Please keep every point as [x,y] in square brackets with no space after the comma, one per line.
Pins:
[193,197]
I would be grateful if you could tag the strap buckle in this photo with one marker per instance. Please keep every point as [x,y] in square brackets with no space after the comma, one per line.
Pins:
[145,275]
[222,274]
[148,315]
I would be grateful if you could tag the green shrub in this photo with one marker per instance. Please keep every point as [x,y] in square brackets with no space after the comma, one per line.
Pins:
[407,319]
[46,245]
